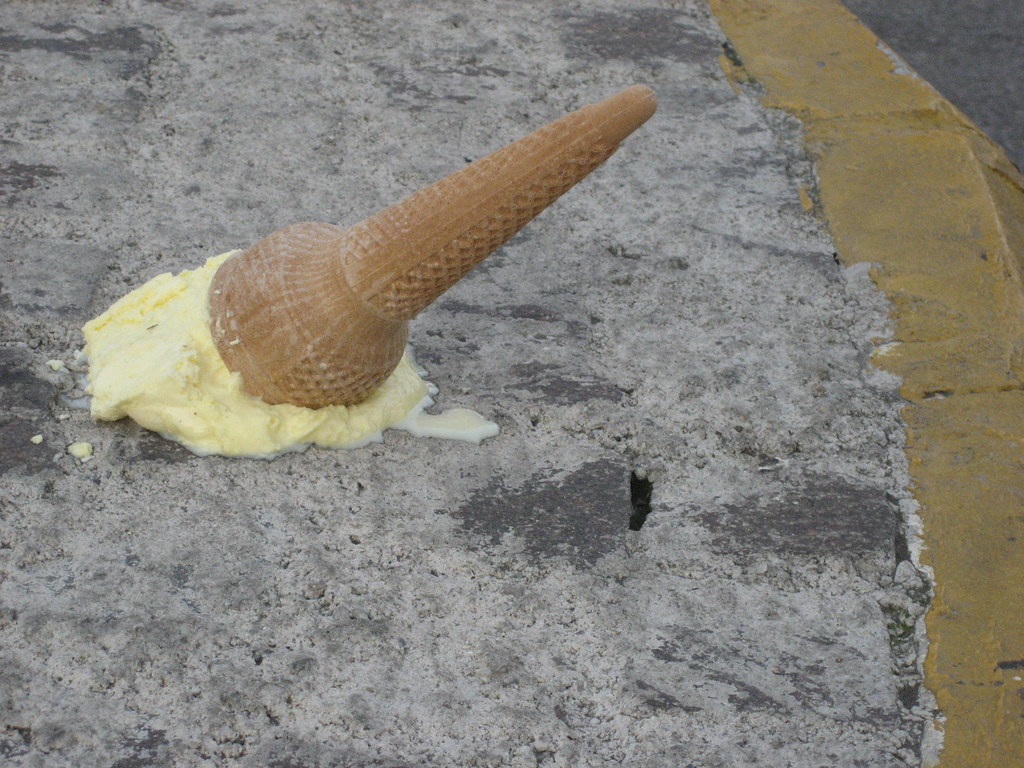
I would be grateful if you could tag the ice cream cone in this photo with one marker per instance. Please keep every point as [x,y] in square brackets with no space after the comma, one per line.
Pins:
[317,315]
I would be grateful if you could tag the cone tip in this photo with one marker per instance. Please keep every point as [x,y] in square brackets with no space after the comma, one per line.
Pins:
[626,111]
[643,96]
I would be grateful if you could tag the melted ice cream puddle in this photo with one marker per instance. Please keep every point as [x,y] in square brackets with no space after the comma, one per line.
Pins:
[152,358]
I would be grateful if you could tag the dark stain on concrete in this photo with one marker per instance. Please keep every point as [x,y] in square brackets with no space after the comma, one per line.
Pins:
[144,752]
[748,698]
[401,89]
[640,35]
[287,750]
[800,680]
[17,451]
[24,402]
[181,575]
[720,663]
[822,262]
[671,651]
[808,681]
[580,516]
[825,515]
[152,447]
[561,389]
[468,64]
[16,178]
[35,287]
[224,9]
[129,48]
[658,700]
[573,328]
[16,742]
[529,312]
[19,387]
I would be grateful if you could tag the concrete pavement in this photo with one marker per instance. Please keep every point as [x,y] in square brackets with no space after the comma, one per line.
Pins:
[681,317]
[909,184]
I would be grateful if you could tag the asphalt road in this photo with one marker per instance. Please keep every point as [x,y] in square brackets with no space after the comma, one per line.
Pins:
[971,51]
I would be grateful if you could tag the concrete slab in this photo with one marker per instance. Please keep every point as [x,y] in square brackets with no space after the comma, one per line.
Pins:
[679,317]
[910,184]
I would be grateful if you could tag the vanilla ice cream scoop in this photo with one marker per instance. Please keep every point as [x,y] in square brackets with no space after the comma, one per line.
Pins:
[315,315]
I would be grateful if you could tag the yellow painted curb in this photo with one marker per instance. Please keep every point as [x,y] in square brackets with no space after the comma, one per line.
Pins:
[909,184]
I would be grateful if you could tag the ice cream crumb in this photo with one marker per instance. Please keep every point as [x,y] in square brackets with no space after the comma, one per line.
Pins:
[37,439]
[81,451]
[56,365]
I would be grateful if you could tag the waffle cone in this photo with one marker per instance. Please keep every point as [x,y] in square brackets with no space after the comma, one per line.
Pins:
[317,315]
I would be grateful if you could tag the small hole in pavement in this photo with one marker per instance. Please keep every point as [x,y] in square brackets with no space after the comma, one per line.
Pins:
[640,489]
